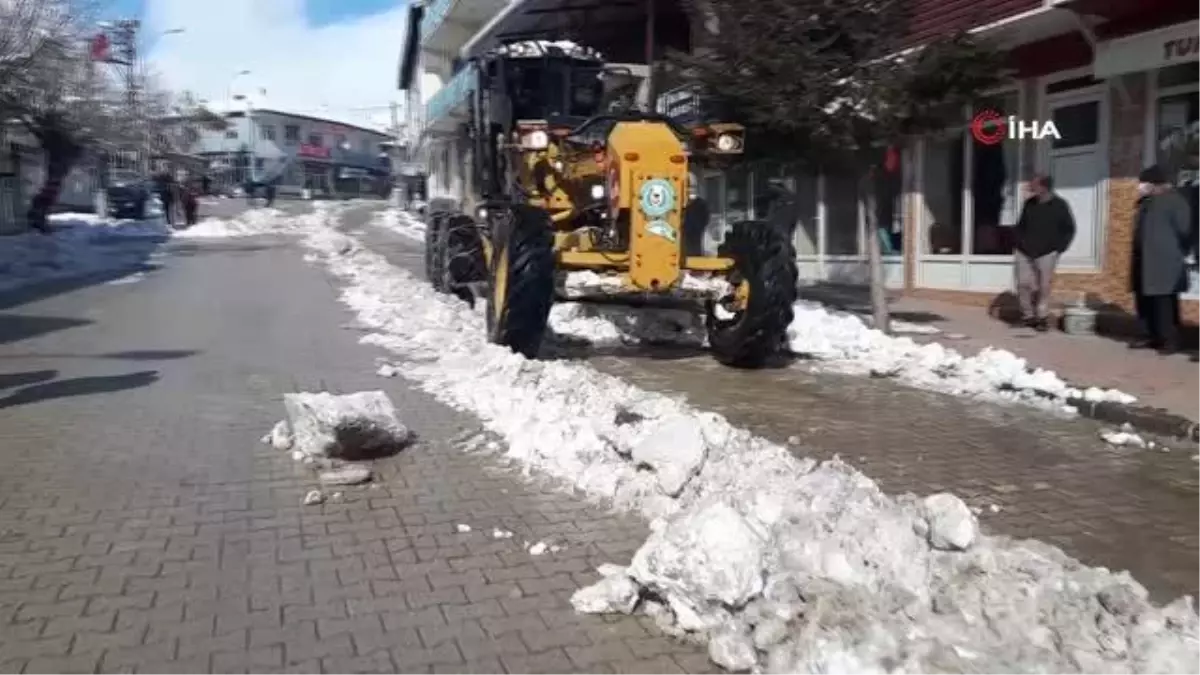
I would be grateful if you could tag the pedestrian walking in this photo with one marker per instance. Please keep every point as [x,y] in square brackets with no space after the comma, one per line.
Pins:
[1044,232]
[164,184]
[1158,272]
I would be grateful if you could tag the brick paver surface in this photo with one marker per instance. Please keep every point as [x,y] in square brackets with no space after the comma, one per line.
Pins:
[1050,478]
[144,528]
[1169,382]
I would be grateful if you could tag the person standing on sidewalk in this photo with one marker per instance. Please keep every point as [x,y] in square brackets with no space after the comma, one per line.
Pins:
[1158,273]
[1044,231]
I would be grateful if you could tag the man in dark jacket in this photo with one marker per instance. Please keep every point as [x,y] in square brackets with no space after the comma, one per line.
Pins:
[1043,233]
[1158,273]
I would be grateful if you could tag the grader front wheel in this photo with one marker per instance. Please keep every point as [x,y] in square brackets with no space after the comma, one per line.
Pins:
[521,276]
[764,278]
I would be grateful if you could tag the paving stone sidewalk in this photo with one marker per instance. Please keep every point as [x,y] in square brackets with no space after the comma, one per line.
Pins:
[144,528]
[1029,473]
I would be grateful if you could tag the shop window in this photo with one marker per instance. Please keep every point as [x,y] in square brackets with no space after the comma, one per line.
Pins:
[942,189]
[1078,125]
[737,195]
[889,212]
[1181,75]
[841,212]
[995,173]
[1177,151]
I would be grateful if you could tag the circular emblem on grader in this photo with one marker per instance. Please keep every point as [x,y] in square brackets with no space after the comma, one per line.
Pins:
[657,198]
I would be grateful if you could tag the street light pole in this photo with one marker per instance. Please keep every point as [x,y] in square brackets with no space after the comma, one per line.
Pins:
[228,109]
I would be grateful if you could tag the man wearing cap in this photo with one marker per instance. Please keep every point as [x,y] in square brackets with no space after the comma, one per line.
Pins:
[1158,271]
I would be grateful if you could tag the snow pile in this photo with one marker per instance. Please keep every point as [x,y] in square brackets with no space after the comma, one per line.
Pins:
[778,562]
[80,243]
[845,342]
[352,426]
[247,224]
[401,222]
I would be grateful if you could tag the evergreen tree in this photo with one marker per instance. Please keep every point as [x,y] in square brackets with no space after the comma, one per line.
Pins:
[831,84]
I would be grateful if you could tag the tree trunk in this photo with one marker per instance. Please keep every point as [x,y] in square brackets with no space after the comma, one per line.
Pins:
[867,201]
[61,154]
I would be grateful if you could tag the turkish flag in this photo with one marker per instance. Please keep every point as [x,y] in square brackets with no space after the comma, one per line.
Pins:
[891,160]
[99,48]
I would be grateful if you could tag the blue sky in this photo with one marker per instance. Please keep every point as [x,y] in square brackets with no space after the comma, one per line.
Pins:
[333,58]
[318,12]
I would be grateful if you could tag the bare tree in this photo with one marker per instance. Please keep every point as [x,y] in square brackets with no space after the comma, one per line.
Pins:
[52,87]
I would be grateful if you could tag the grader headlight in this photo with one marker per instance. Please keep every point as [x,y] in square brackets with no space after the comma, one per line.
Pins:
[533,135]
[727,143]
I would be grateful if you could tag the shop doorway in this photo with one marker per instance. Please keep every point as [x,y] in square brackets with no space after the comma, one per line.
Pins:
[1078,163]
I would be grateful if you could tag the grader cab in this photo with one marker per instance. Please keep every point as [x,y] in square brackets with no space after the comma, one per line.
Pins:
[568,176]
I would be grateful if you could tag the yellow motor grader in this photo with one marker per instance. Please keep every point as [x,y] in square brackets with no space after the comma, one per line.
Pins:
[564,180]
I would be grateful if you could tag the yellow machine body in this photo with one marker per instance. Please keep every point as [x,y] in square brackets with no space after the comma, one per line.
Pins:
[644,167]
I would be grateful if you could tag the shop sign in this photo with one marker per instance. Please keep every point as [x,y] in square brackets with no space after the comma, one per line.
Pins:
[1148,51]
[313,151]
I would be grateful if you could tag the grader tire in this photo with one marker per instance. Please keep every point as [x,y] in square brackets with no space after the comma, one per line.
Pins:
[763,257]
[434,258]
[521,277]
[462,259]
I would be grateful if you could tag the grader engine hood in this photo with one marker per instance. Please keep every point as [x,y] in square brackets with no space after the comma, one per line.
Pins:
[648,170]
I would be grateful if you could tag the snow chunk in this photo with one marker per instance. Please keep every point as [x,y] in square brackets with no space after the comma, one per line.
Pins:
[1122,438]
[613,593]
[952,526]
[675,450]
[538,548]
[353,426]
[350,474]
[280,437]
[501,534]
[462,528]
[707,557]
[387,370]
[314,497]
[732,649]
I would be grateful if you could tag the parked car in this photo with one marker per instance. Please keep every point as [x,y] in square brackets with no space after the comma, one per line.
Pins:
[128,195]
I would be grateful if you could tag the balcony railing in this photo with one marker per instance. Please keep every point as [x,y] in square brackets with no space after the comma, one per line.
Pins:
[450,96]
[435,14]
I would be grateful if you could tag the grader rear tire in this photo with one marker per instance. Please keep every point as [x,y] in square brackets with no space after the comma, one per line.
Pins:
[521,277]
[434,260]
[764,259]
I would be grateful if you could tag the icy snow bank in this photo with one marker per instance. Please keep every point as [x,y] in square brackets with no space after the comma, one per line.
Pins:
[779,561]
[80,243]
[401,222]
[249,223]
[845,342]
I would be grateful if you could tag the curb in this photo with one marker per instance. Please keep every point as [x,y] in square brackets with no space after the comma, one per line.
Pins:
[1153,420]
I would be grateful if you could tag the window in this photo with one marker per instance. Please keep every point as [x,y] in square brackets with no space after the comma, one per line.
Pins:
[942,189]
[316,140]
[266,132]
[995,173]
[291,134]
[1177,144]
[841,212]
[1078,125]
[231,133]
[339,141]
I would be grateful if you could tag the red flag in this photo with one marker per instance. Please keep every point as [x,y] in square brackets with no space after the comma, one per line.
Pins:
[891,160]
[99,47]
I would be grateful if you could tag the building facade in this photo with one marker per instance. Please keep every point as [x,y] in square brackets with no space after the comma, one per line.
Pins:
[1119,79]
[301,153]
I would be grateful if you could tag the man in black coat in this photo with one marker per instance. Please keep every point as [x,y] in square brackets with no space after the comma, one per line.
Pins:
[1158,274]
[1043,233]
